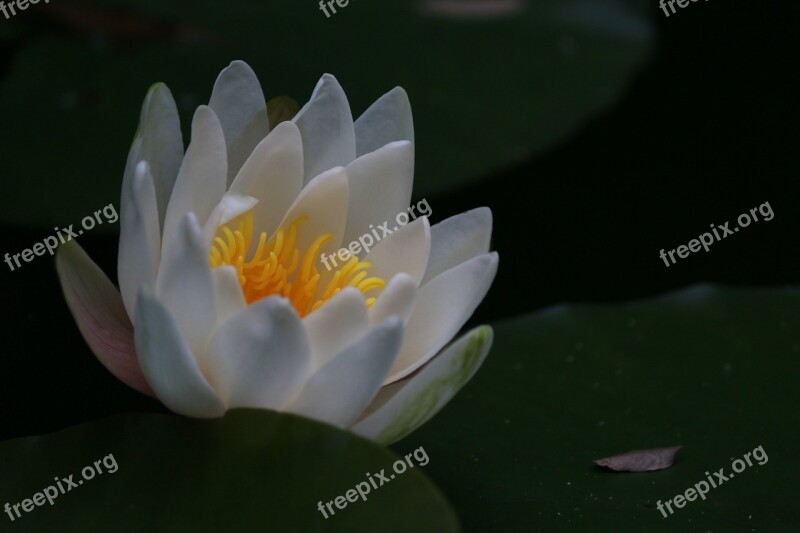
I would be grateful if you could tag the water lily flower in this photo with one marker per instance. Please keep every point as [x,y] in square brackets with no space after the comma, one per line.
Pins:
[223,301]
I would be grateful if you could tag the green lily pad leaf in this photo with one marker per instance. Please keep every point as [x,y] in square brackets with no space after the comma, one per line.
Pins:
[707,368]
[488,88]
[252,470]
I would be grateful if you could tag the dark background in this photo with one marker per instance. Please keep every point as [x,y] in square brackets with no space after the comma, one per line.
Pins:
[705,131]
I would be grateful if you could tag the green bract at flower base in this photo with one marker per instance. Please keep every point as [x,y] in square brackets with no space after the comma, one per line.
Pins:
[223,302]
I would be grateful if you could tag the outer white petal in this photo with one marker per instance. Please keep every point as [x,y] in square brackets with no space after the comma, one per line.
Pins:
[184,286]
[443,305]
[274,175]
[228,296]
[260,356]
[326,124]
[168,364]
[406,250]
[342,389]
[139,239]
[458,239]
[159,142]
[397,299]
[336,325]
[402,407]
[387,120]
[202,178]
[380,188]
[238,101]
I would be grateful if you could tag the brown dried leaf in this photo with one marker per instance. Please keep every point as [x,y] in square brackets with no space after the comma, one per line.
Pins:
[640,460]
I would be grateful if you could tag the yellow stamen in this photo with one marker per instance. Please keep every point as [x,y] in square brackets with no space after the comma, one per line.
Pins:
[278,267]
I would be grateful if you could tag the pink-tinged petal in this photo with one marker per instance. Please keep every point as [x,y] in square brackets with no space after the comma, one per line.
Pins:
[97,307]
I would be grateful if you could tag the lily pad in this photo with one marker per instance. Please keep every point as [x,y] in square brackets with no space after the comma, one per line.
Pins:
[707,368]
[488,88]
[253,470]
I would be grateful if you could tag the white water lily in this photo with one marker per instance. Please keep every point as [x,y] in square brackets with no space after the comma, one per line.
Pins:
[223,302]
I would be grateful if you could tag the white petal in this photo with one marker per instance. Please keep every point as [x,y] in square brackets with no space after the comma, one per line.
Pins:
[230,207]
[397,299]
[326,124]
[159,142]
[201,181]
[238,101]
[228,295]
[324,201]
[336,325]
[342,389]
[402,407]
[184,286]
[458,239]
[139,239]
[260,356]
[380,188]
[405,250]
[443,305]
[387,120]
[168,364]
[274,175]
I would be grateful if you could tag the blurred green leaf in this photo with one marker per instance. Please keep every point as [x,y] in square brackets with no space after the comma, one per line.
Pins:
[706,368]
[281,109]
[486,90]
[253,470]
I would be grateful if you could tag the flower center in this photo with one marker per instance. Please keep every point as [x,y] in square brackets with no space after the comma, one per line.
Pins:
[278,267]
